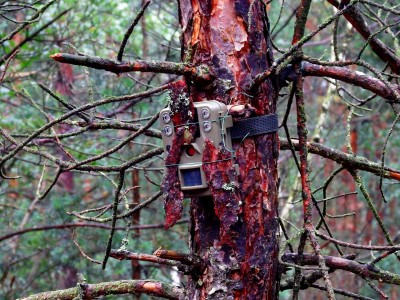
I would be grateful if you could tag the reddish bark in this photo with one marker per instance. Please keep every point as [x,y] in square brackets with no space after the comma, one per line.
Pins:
[235,231]
[136,268]
[223,182]
[182,110]
[64,80]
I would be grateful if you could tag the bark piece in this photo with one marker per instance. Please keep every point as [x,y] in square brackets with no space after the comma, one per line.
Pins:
[183,112]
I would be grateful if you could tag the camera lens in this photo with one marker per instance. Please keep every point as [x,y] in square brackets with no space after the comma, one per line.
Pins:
[166,117]
[207,126]
[168,130]
[205,113]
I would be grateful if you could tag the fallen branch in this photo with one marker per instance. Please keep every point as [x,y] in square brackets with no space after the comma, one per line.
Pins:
[91,291]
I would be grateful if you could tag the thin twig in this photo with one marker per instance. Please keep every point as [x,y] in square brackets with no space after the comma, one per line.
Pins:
[130,30]
[114,217]
[82,252]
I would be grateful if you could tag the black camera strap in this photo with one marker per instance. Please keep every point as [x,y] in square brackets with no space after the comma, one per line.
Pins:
[254,126]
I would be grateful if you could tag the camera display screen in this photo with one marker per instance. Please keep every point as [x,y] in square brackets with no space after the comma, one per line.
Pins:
[191,177]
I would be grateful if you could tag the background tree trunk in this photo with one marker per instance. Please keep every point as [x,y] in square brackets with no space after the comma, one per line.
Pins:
[236,233]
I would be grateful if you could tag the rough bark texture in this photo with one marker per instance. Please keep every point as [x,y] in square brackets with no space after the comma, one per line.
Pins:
[183,111]
[235,232]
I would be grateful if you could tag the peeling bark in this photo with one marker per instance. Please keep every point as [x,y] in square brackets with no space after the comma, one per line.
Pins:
[223,182]
[182,110]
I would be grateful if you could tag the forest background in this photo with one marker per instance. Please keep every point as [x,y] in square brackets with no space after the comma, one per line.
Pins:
[44,245]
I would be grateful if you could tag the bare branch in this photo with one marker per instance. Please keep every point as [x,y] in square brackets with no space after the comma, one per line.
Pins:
[90,291]
[200,73]
[305,181]
[260,78]
[34,18]
[357,246]
[77,225]
[117,198]
[32,36]
[74,112]
[82,252]
[347,160]
[121,216]
[339,263]
[174,255]
[357,78]
[355,17]
[127,255]
[130,30]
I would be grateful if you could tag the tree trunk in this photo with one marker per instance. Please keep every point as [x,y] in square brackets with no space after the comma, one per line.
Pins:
[235,232]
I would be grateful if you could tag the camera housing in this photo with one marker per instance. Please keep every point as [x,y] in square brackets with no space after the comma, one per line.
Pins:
[213,123]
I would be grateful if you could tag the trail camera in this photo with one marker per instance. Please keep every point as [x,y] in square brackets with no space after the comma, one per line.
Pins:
[213,123]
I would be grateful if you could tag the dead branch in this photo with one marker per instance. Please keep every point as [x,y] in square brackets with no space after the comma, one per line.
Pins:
[130,30]
[76,225]
[357,246]
[200,73]
[349,161]
[21,26]
[355,17]
[74,112]
[185,258]
[340,263]
[91,291]
[174,255]
[127,255]
[31,36]
[357,78]
[288,55]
